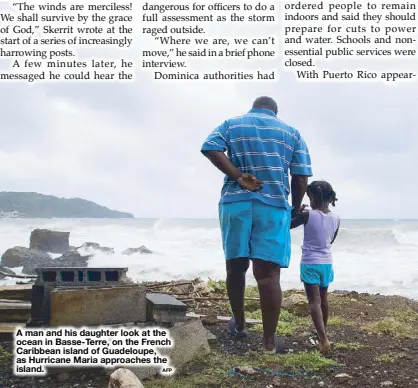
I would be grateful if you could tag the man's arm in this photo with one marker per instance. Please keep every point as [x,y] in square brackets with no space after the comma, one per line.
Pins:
[222,162]
[300,169]
[246,181]
[299,185]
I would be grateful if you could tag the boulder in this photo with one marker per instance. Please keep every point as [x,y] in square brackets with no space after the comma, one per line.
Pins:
[71,259]
[20,256]
[98,247]
[6,270]
[296,304]
[190,342]
[49,241]
[68,259]
[124,378]
[142,249]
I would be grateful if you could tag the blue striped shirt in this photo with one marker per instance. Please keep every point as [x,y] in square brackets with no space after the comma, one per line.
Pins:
[260,144]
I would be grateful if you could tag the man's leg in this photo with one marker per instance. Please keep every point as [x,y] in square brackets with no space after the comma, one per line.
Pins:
[236,221]
[267,275]
[235,285]
[270,251]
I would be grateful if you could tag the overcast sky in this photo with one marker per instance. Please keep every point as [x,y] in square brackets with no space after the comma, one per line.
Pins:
[136,146]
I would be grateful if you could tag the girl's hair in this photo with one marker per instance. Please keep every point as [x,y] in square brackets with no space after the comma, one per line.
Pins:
[322,192]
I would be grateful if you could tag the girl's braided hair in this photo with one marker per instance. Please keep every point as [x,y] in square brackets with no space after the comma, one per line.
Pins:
[322,192]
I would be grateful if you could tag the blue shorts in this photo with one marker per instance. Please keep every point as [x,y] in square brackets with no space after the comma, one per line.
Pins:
[321,274]
[254,230]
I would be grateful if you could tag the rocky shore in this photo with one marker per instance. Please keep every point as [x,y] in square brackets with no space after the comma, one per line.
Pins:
[374,344]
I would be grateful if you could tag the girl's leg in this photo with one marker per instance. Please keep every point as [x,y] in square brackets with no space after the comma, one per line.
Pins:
[324,305]
[314,299]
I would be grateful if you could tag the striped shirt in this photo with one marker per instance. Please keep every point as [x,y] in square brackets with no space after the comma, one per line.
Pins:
[262,145]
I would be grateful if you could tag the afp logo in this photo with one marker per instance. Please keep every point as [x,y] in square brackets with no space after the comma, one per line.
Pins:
[166,371]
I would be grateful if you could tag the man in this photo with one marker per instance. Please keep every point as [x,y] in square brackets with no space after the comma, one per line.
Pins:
[254,212]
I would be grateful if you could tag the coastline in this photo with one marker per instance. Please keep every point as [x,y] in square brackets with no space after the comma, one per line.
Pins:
[374,344]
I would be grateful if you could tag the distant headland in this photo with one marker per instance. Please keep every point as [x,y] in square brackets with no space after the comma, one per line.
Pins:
[35,205]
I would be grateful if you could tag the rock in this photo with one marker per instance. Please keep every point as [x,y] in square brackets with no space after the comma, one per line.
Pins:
[210,320]
[343,377]
[321,383]
[182,287]
[277,382]
[203,289]
[124,378]
[296,304]
[20,256]
[142,249]
[386,383]
[191,341]
[245,370]
[6,270]
[107,250]
[68,259]
[90,245]
[49,241]
[98,247]
[71,259]
[63,377]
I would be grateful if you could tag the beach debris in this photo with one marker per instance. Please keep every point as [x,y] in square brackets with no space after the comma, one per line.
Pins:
[16,292]
[296,304]
[45,240]
[124,378]
[5,272]
[343,377]
[142,249]
[245,370]
[386,383]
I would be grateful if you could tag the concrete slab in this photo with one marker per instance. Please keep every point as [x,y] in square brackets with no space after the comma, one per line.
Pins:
[81,276]
[165,309]
[97,306]
[16,292]
[14,311]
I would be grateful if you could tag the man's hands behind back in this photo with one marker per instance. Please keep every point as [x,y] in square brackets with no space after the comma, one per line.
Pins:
[249,182]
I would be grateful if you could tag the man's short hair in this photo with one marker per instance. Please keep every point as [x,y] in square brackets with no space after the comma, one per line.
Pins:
[265,103]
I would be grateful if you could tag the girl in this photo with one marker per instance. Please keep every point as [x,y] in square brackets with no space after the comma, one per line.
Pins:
[316,270]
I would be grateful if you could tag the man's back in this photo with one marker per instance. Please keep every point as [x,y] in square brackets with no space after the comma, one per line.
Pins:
[260,144]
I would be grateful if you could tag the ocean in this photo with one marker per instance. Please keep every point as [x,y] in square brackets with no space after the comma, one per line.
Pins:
[375,256]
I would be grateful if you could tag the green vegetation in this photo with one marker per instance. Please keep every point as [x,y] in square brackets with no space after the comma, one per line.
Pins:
[288,324]
[348,346]
[34,205]
[391,326]
[335,320]
[389,357]
[306,361]
[215,368]
[4,355]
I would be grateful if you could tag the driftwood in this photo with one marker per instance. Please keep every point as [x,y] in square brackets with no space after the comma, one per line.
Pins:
[18,276]
[168,284]
[193,298]
[249,321]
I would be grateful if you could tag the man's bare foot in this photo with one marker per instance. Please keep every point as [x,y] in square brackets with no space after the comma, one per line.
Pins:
[324,346]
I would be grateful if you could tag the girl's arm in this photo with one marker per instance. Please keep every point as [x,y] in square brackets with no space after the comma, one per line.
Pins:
[336,233]
[299,219]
